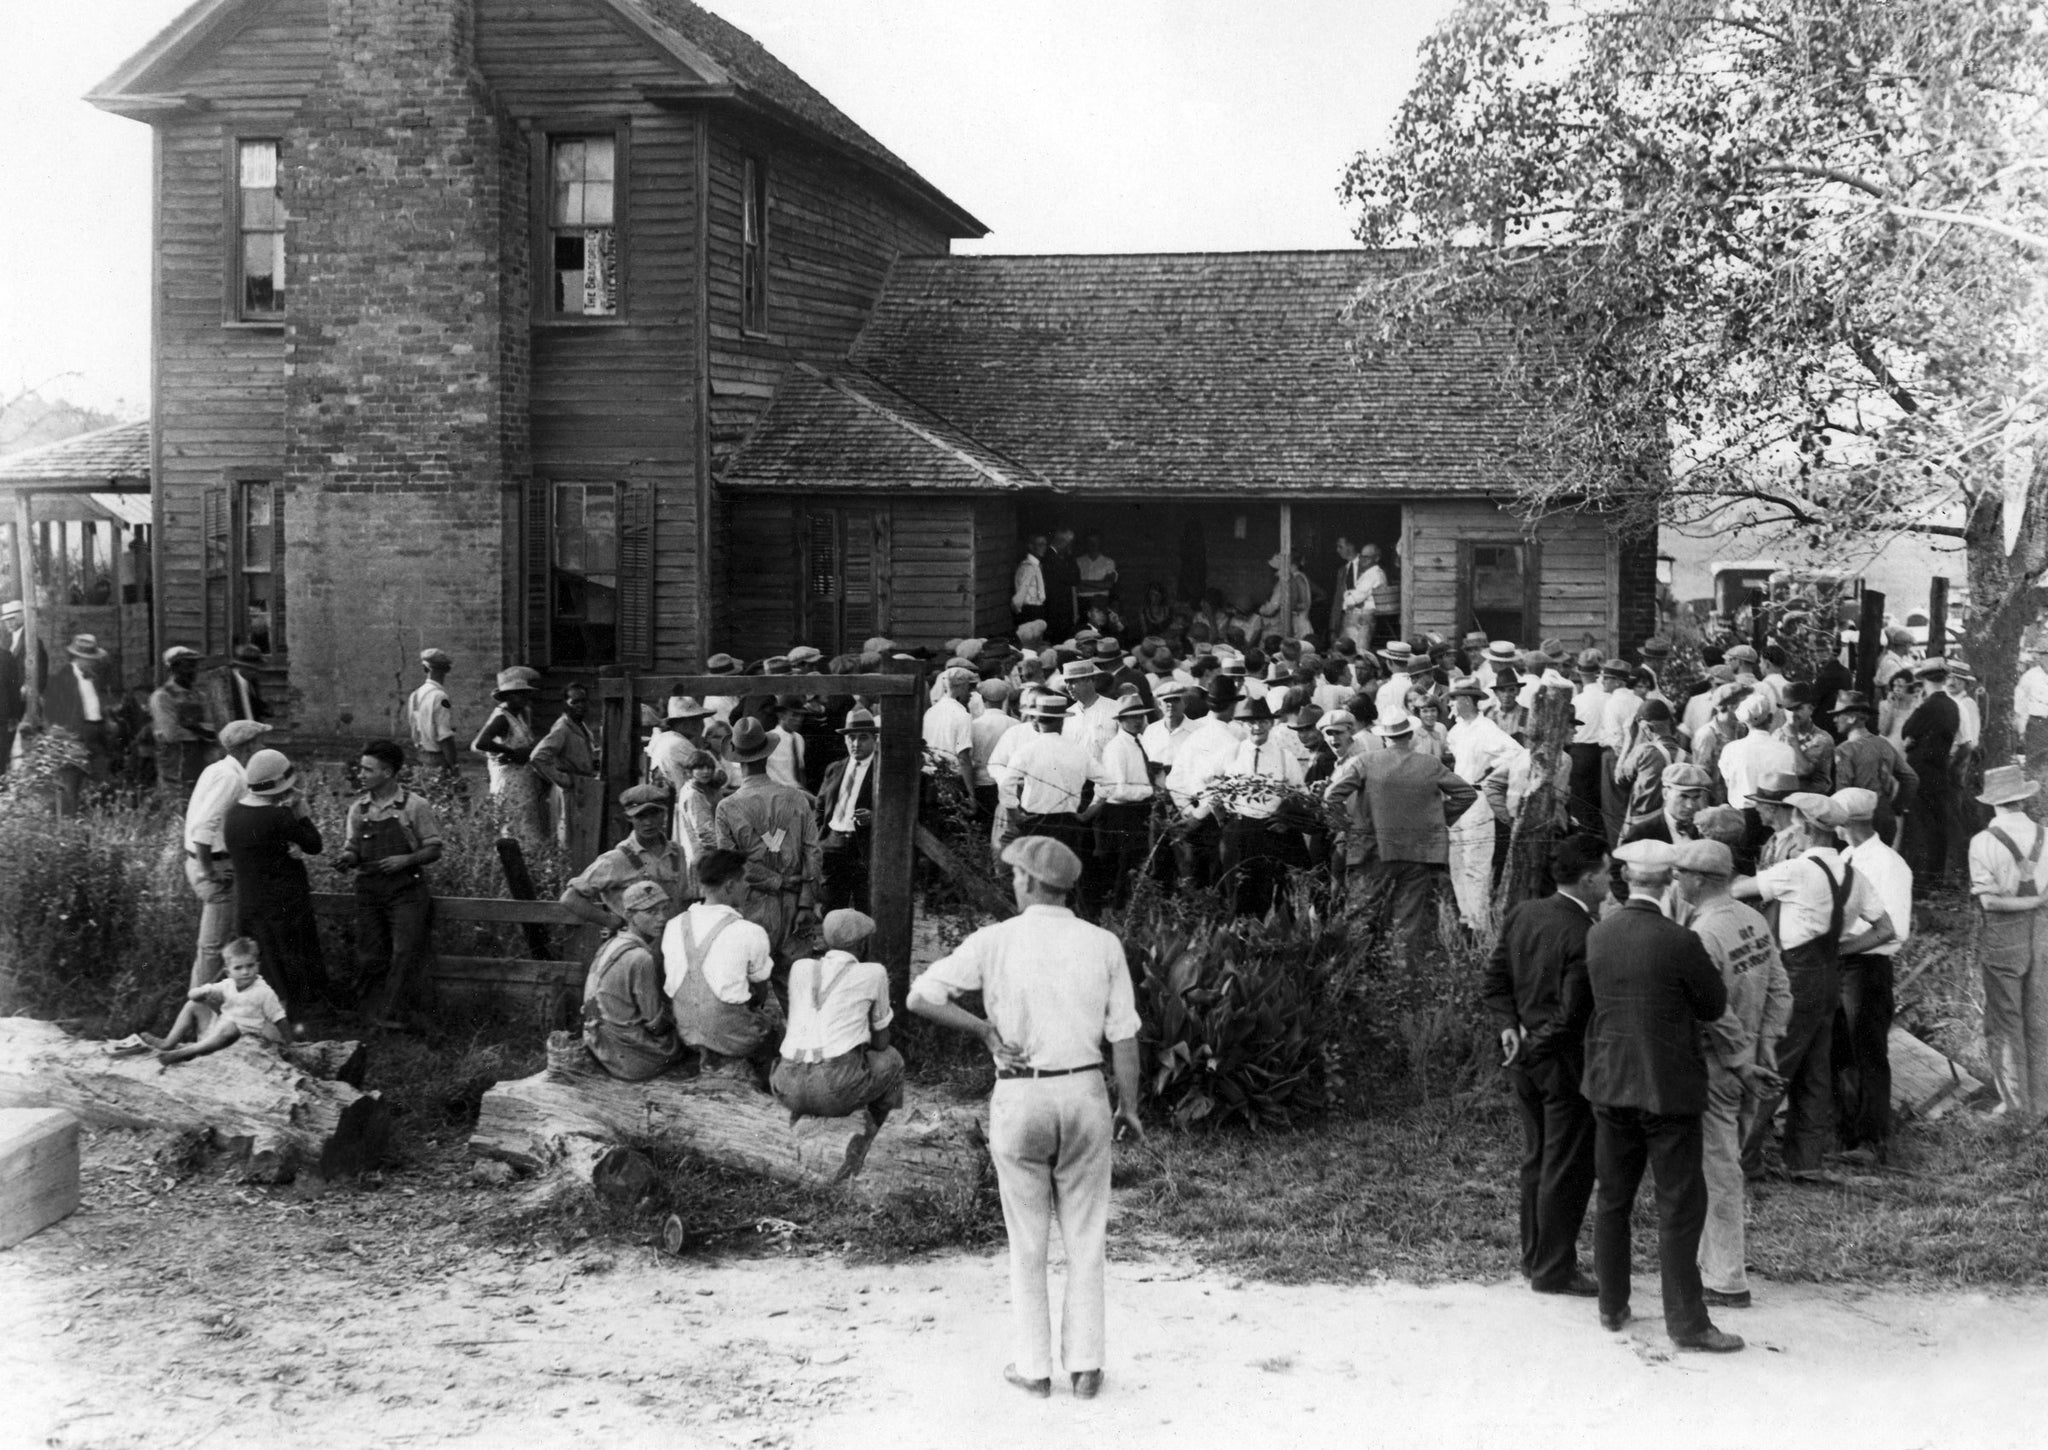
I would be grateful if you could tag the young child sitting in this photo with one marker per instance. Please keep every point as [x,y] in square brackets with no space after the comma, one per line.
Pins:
[836,1058]
[217,1015]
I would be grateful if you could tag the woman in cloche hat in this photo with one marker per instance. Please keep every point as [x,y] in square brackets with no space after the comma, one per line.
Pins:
[508,738]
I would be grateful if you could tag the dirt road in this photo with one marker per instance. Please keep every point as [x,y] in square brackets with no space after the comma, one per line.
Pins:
[211,1316]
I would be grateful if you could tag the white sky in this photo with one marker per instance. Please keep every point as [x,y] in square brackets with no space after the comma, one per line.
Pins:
[1064,125]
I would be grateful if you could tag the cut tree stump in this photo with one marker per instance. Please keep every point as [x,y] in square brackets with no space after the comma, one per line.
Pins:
[1925,1084]
[38,1171]
[286,1115]
[568,1115]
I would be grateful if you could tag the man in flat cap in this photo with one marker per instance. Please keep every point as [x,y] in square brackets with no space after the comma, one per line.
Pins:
[1055,990]
[836,1059]
[432,714]
[177,717]
[648,853]
[628,1024]
[1654,987]
[1862,1049]
[1685,790]
[1742,1050]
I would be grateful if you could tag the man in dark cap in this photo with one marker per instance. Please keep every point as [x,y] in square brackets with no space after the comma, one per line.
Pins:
[649,853]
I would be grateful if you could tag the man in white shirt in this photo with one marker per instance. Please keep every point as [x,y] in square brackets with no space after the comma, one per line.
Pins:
[1055,989]
[1867,1006]
[1815,898]
[1162,738]
[949,730]
[1121,812]
[788,762]
[1588,707]
[716,966]
[1043,778]
[1745,761]
[1097,571]
[1390,701]
[431,714]
[1257,846]
[1360,596]
[1478,747]
[2009,878]
[207,868]
[988,728]
[1339,729]
[1092,720]
[1027,586]
[836,1059]
[2030,710]
[1204,755]
[1617,735]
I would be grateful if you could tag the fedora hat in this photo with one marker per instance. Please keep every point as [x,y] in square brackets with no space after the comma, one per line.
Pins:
[1775,787]
[2005,784]
[751,740]
[1395,727]
[1850,702]
[1134,705]
[723,664]
[859,722]
[685,707]
[1469,689]
[85,647]
[1253,710]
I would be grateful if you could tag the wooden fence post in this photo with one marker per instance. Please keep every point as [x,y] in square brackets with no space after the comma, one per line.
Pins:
[1869,643]
[899,766]
[1937,616]
[1535,827]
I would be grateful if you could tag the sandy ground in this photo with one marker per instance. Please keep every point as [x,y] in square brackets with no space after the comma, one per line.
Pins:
[204,1314]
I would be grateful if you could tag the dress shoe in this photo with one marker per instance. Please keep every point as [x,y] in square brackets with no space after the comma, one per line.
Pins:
[1709,1341]
[1613,1323]
[1719,1299]
[1041,1388]
[1580,1286]
[1087,1383]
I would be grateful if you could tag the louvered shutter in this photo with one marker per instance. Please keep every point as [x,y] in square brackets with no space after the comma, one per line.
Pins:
[859,615]
[537,550]
[822,575]
[216,536]
[636,576]
[279,640]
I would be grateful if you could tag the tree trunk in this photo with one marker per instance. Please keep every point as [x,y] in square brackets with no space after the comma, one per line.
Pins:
[2007,601]
[1550,730]
[566,1115]
[283,1115]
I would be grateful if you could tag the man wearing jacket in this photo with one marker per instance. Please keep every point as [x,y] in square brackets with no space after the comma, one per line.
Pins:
[1400,840]
[1537,994]
[846,811]
[1653,987]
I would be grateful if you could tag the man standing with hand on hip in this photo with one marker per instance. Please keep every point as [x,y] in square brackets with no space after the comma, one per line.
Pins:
[1055,989]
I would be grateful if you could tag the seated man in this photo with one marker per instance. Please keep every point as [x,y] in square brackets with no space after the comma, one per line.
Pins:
[717,964]
[627,1023]
[836,1058]
[221,1013]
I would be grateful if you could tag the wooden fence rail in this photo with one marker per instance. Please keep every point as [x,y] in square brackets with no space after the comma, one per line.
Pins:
[509,979]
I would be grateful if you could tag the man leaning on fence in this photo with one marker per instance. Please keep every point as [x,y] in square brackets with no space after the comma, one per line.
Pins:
[392,833]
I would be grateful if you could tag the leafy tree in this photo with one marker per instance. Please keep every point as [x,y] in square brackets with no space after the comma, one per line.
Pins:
[1784,257]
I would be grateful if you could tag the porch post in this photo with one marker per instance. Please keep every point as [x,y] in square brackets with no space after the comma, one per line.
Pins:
[1287,569]
[25,569]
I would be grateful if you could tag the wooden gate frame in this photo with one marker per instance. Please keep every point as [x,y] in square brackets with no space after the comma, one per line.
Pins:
[899,768]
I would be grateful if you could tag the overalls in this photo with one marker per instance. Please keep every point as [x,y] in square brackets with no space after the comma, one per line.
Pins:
[392,913]
[706,1020]
[2013,945]
[1806,1051]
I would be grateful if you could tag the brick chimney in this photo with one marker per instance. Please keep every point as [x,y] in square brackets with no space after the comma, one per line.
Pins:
[406,367]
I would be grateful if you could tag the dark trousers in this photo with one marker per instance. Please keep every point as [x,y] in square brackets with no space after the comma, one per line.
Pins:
[1585,802]
[1927,828]
[1196,853]
[392,917]
[846,873]
[1862,1052]
[1613,798]
[1254,860]
[1805,1061]
[1123,834]
[1403,899]
[1557,1169]
[1626,1140]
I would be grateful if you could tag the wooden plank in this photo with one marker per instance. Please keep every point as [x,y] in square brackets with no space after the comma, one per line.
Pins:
[465,908]
[509,972]
[1925,1084]
[38,1171]
[828,687]
[898,783]
[983,892]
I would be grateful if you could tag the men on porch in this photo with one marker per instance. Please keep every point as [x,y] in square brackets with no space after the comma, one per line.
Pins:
[772,828]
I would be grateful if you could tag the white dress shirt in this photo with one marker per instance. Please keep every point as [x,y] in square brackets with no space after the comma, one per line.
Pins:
[786,761]
[1269,762]
[1391,699]
[1125,778]
[1204,754]
[1589,709]
[1478,747]
[1093,724]
[1044,774]
[1745,762]
[88,695]
[948,731]
[988,729]
[1055,987]
[1028,584]
[849,794]
[1887,871]
[1162,742]
[2030,698]
[218,787]
[1618,718]
[1970,724]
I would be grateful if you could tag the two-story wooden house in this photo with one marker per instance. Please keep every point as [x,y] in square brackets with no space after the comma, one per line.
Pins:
[469,317]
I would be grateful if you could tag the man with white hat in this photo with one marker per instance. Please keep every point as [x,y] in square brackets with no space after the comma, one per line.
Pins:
[1742,1049]
[1863,1074]
[836,1059]
[432,713]
[177,719]
[1654,988]
[1055,989]
[1121,812]
[1814,899]
[681,736]
[1397,837]
[628,1024]
[1391,699]
[1162,738]
[207,868]
[1091,719]
[2009,878]
[72,703]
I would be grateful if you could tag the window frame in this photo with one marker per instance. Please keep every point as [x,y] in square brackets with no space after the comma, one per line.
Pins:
[633,520]
[1532,582]
[756,198]
[573,127]
[254,129]
[224,516]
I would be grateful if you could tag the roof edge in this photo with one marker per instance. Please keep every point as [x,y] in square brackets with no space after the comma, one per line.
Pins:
[1018,477]
[123,93]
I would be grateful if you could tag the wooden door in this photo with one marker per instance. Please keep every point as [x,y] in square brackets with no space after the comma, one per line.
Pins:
[1499,589]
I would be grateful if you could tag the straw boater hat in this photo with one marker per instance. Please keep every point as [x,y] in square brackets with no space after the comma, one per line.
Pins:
[515,679]
[685,707]
[85,647]
[2006,784]
[1395,727]
[751,741]
[180,652]
[1078,670]
[1400,654]
[723,664]
[1502,652]
[1050,705]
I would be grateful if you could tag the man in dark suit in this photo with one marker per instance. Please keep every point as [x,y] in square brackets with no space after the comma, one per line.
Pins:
[1062,578]
[1537,992]
[13,672]
[846,815]
[75,700]
[1654,987]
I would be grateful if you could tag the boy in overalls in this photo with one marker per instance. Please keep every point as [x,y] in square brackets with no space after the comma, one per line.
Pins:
[716,966]
[392,832]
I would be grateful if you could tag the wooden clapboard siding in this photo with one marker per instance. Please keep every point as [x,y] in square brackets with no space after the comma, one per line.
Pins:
[270,63]
[996,552]
[931,570]
[1574,594]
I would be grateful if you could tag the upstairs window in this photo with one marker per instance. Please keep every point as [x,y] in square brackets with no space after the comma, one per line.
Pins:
[754,246]
[583,243]
[259,221]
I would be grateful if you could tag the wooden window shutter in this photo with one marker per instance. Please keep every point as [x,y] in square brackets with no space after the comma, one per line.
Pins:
[216,534]
[280,642]
[538,551]
[636,575]
[821,579]
[859,614]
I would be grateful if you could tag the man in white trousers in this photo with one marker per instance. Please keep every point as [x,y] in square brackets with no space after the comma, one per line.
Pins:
[1055,989]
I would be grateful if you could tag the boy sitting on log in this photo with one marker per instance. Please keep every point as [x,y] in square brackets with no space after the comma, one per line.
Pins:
[627,1024]
[836,1058]
[219,1014]
[717,965]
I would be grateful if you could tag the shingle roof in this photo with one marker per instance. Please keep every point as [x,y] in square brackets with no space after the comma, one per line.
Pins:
[841,430]
[1185,374]
[110,455]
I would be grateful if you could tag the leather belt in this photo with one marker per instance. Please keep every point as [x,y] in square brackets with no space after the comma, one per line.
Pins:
[1005,1074]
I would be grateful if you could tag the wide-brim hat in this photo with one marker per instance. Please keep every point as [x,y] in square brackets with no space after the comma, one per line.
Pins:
[1469,689]
[1619,668]
[1134,705]
[751,740]
[1050,705]
[859,722]
[1503,652]
[1394,727]
[2005,784]
[1400,652]
[685,707]
[1506,679]
[1851,702]
[1079,670]
[1249,710]
[85,647]
[723,664]
[1775,787]
[517,678]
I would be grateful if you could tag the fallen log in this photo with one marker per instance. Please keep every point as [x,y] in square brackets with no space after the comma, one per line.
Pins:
[288,1116]
[1925,1084]
[569,1114]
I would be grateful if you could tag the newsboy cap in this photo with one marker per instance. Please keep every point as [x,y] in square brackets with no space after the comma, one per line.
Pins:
[1044,859]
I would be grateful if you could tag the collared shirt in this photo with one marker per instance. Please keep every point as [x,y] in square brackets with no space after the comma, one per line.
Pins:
[1993,869]
[989,727]
[1092,724]
[255,1011]
[2030,697]
[1390,701]
[1055,987]
[1478,747]
[1095,570]
[668,757]
[1028,585]
[1044,775]
[409,808]
[1588,708]
[607,877]
[1804,888]
[1618,718]
[836,1003]
[1745,762]
[1126,776]
[1271,762]
[1887,871]
[433,718]
[218,787]
[174,712]
[88,694]
[948,731]
[738,959]
[1162,742]
[1970,729]
[1204,754]
[848,801]
[786,760]
[1360,595]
